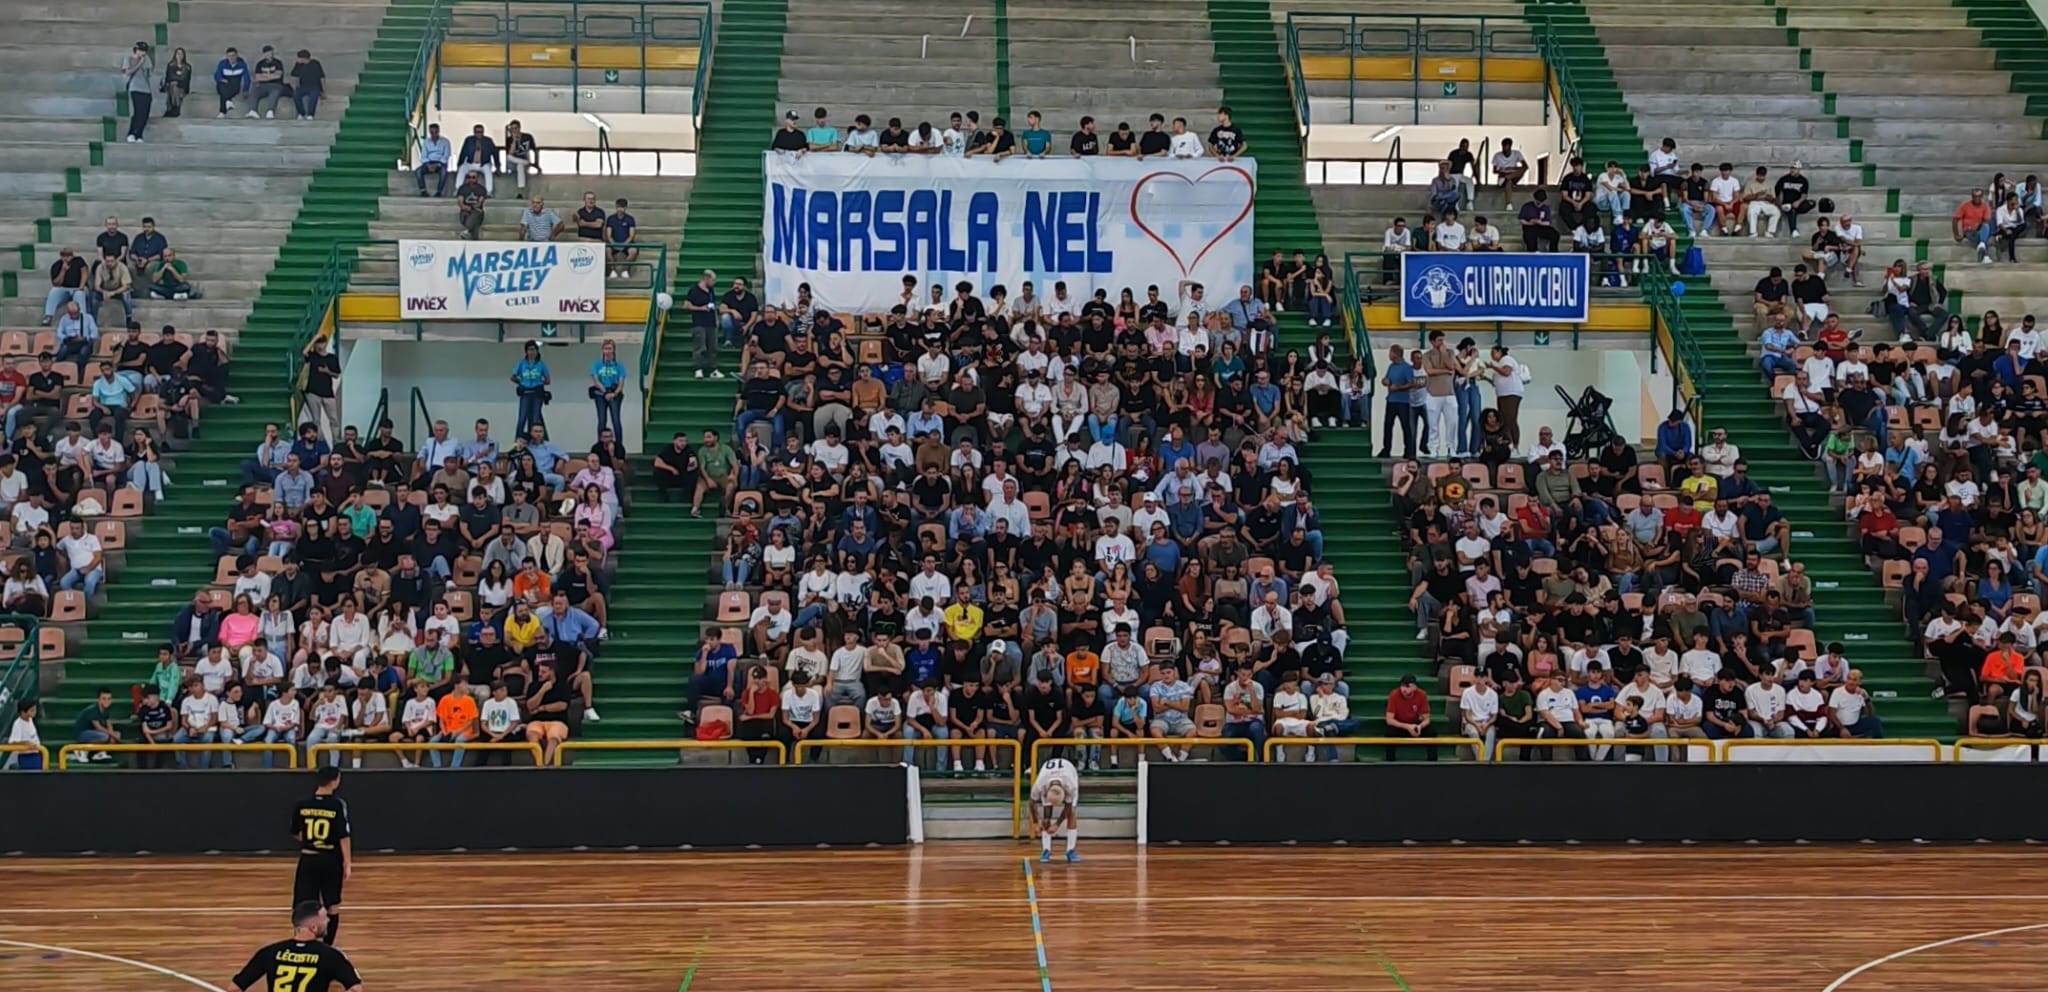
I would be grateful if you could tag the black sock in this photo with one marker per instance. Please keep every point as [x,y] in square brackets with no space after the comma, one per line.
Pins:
[333,927]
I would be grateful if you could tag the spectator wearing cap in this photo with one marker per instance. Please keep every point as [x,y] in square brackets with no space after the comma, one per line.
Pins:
[1408,716]
[789,138]
[1792,197]
[822,136]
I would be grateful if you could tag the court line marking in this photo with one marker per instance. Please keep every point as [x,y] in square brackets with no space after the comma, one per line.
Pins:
[1013,901]
[1851,974]
[257,862]
[695,960]
[130,962]
[1037,929]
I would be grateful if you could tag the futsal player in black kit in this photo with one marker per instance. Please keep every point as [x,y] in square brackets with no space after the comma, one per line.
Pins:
[302,964]
[320,825]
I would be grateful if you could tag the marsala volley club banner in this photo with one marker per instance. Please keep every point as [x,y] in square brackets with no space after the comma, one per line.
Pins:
[854,226]
[501,280]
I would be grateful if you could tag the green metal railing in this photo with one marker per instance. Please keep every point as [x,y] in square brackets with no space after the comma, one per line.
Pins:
[1355,288]
[22,678]
[1557,74]
[372,265]
[592,22]
[425,79]
[650,341]
[416,416]
[1418,38]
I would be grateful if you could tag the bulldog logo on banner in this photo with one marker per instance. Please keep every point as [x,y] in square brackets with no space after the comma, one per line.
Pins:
[854,226]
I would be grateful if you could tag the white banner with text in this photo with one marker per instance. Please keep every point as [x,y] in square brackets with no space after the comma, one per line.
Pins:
[853,226]
[501,280]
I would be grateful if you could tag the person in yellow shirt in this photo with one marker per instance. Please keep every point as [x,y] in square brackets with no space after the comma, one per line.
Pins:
[1703,488]
[522,628]
[963,618]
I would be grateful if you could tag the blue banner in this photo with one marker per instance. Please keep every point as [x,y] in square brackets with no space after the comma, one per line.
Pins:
[1447,287]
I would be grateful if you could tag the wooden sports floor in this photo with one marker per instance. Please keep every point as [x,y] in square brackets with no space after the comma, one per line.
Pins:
[958,917]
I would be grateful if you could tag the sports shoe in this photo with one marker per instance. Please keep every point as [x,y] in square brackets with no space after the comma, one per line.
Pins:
[590,715]
[252,115]
[717,374]
[221,114]
[270,115]
[230,399]
[133,139]
[700,372]
[980,765]
[1422,635]
[1073,857]
[1044,857]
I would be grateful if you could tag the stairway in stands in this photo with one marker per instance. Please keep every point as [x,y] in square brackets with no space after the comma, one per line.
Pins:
[1845,599]
[665,577]
[163,571]
[1350,489]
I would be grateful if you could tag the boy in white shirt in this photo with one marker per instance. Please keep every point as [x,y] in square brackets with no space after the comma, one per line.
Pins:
[1479,712]
[282,720]
[418,722]
[1483,236]
[1184,144]
[198,720]
[499,717]
[1450,235]
[1724,191]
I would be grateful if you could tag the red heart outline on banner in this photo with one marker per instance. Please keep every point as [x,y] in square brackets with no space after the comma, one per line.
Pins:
[1251,190]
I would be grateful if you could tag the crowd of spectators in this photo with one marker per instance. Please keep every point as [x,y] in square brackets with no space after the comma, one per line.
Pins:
[475,170]
[370,591]
[1015,516]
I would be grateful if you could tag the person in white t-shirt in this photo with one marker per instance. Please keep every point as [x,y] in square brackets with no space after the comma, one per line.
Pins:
[1806,709]
[198,721]
[1767,709]
[1509,166]
[1183,144]
[1724,191]
[1684,711]
[1644,699]
[803,705]
[925,715]
[1483,236]
[1479,713]
[418,722]
[848,661]
[1450,235]
[1557,717]
[1850,705]
[214,670]
[1851,234]
[24,732]
[884,718]
[499,719]
[326,723]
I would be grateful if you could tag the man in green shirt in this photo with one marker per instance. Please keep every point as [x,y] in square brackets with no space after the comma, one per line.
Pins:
[166,676]
[431,663]
[1037,140]
[717,469]
[1517,710]
[169,279]
[95,723]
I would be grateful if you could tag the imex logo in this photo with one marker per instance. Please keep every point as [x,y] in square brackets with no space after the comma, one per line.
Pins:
[418,304]
[583,306]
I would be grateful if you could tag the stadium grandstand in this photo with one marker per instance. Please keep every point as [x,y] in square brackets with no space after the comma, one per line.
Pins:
[640,399]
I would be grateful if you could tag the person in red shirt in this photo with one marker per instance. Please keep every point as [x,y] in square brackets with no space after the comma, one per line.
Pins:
[1682,518]
[1878,527]
[1834,339]
[2003,667]
[1972,223]
[1408,716]
[13,390]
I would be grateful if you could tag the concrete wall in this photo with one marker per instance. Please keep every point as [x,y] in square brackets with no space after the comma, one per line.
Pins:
[462,382]
[1640,398]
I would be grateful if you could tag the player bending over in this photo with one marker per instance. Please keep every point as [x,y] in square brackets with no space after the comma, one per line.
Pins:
[1056,796]
[304,963]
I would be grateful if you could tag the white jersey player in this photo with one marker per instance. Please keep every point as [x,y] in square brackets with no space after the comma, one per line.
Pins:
[1056,797]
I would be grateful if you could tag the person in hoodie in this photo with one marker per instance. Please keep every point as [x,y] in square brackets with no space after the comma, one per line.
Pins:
[230,80]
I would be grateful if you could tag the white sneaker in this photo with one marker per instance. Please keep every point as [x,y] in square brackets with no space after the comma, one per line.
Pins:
[604,633]
[980,765]
[958,767]
[700,373]
[220,115]
[100,756]
[717,374]
[1422,635]
[131,139]
[252,115]
[270,115]
[405,763]
[590,715]
[230,399]
[231,105]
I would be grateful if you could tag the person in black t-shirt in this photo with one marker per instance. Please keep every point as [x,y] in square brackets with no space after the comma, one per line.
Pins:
[589,219]
[1086,142]
[1122,142]
[1575,196]
[788,137]
[998,143]
[304,963]
[1792,192]
[894,140]
[1155,140]
[1226,140]
[320,827]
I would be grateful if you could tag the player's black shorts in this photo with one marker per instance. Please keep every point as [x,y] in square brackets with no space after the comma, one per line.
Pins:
[318,877]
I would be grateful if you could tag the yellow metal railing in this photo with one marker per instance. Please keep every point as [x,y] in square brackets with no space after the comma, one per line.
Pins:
[1730,746]
[1500,747]
[313,753]
[291,754]
[36,749]
[1240,744]
[1273,744]
[1965,744]
[681,747]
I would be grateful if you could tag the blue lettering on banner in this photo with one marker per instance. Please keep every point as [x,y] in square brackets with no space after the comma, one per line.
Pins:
[896,230]
[508,272]
[1442,287]
[1061,236]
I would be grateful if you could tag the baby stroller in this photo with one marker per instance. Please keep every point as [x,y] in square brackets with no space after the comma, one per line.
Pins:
[1591,429]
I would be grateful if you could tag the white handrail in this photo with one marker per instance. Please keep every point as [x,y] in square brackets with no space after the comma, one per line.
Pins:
[924,49]
[966,24]
[1134,49]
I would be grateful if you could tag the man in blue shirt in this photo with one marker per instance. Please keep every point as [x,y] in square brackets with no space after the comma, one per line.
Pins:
[1674,438]
[822,136]
[435,154]
[269,460]
[1402,395]
[567,624]
[1037,140]
[310,449]
[1778,343]
[110,395]
[148,247]
[545,454]
[480,449]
